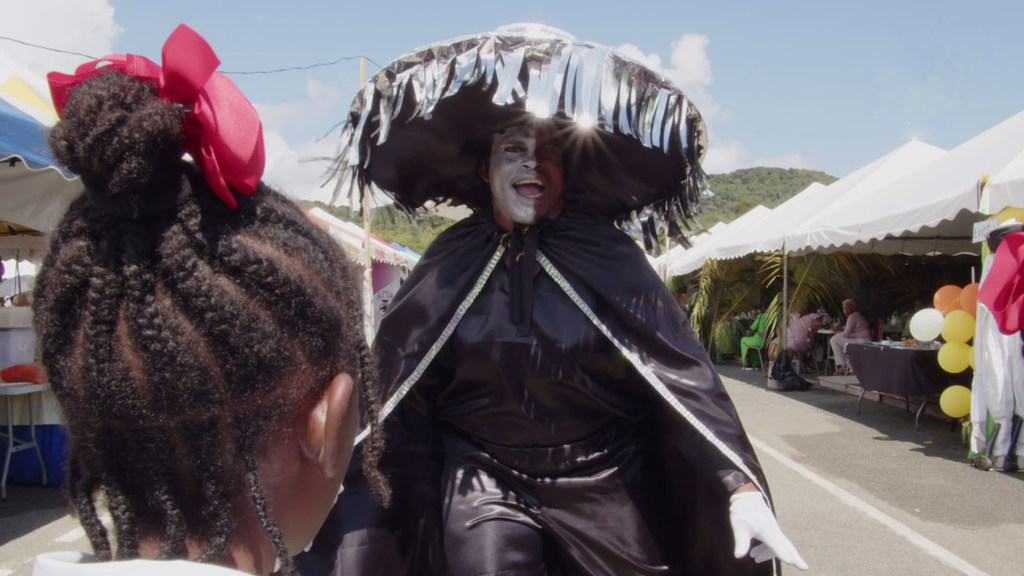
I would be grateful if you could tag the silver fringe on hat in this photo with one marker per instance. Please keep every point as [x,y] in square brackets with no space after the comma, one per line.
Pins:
[536,71]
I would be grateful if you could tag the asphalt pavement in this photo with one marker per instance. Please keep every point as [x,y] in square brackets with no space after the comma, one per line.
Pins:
[858,494]
[867,494]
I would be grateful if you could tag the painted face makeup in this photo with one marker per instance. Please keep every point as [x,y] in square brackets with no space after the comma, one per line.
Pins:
[525,174]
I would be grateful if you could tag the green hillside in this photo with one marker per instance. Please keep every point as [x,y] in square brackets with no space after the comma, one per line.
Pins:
[735,193]
[738,191]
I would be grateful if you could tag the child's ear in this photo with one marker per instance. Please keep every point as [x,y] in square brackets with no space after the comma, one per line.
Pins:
[331,427]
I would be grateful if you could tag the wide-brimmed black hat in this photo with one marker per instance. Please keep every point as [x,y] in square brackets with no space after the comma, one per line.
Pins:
[418,128]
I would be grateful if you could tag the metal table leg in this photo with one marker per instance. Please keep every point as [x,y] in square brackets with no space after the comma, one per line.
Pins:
[13,444]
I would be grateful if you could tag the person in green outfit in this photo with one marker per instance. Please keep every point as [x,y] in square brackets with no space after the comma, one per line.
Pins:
[753,339]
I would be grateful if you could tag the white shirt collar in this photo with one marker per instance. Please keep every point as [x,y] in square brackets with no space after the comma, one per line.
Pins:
[82,564]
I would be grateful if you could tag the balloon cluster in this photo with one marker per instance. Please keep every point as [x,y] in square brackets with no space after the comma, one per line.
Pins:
[953,319]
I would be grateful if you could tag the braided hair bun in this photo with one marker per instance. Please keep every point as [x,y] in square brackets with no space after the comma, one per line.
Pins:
[125,143]
[180,335]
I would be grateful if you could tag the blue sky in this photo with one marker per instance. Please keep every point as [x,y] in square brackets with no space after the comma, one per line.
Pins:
[826,86]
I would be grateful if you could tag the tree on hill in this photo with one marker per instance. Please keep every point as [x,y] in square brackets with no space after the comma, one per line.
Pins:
[737,192]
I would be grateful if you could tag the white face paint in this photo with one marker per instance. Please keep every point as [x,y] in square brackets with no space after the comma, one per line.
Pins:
[525,174]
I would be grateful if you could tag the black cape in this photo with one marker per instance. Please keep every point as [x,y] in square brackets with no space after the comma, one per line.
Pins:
[705,453]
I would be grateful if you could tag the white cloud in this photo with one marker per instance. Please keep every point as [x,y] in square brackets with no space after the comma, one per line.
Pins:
[300,172]
[690,69]
[85,26]
[320,100]
[89,27]
[725,157]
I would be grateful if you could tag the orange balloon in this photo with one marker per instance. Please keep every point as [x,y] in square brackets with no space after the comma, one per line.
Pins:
[969,298]
[947,299]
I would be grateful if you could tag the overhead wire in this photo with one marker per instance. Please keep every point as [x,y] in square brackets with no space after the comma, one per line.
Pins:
[237,73]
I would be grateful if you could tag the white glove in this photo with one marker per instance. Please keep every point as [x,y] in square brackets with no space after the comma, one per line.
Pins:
[751,518]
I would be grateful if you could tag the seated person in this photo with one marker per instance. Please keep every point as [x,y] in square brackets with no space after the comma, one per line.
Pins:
[753,339]
[856,330]
[799,334]
[205,356]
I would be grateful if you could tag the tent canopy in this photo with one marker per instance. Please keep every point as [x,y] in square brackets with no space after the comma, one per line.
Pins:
[34,189]
[1006,188]
[354,236]
[683,261]
[790,221]
[929,210]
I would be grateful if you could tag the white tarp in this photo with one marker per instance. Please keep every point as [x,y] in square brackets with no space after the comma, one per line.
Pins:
[767,234]
[682,261]
[795,223]
[33,191]
[660,263]
[354,236]
[1006,188]
[930,210]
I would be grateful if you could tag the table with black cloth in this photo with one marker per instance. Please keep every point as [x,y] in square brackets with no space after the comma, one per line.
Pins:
[902,371]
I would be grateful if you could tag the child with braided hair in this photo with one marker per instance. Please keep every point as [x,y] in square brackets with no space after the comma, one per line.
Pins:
[203,337]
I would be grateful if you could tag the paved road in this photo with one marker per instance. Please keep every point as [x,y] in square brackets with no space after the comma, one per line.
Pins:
[859,494]
[867,494]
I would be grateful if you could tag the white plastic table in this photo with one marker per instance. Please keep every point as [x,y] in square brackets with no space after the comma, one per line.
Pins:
[8,391]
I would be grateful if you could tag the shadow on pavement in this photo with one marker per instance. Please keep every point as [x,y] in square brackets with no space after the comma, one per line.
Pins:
[28,508]
[924,473]
[939,437]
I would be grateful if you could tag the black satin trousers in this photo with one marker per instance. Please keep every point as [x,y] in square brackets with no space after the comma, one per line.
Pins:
[585,508]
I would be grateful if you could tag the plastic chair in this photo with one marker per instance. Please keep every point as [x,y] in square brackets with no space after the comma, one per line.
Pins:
[762,353]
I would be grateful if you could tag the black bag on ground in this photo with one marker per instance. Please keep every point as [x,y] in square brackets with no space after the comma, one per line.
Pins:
[789,379]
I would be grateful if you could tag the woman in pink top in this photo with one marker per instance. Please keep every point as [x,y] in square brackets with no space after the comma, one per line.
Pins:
[856,330]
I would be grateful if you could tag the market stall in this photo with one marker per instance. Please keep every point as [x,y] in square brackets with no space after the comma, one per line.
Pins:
[34,193]
[391,264]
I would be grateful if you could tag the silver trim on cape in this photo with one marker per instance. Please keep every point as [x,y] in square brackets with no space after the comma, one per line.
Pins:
[645,371]
[449,328]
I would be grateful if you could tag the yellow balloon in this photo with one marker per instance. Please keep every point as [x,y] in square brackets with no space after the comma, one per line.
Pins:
[953,357]
[958,326]
[955,401]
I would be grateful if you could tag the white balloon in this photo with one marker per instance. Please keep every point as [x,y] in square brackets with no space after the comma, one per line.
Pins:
[926,324]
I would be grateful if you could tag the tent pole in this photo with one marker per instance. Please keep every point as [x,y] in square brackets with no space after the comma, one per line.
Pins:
[785,298]
[367,246]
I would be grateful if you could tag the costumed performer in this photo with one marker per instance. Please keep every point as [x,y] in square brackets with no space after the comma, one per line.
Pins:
[548,411]
[203,338]
[997,389]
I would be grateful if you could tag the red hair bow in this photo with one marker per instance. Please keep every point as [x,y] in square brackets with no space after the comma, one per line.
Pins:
[223,133]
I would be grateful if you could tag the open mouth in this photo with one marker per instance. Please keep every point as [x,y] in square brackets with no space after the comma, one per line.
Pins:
[529,188]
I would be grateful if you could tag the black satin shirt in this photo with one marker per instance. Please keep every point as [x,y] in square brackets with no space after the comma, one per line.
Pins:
[560,383]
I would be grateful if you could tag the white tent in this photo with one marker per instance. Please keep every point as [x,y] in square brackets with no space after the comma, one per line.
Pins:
[389,268]
[682,261]
[820,204]
[1006,188]
[929,210]
[34,191]
[770,233]
[660,263]
[766,236]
